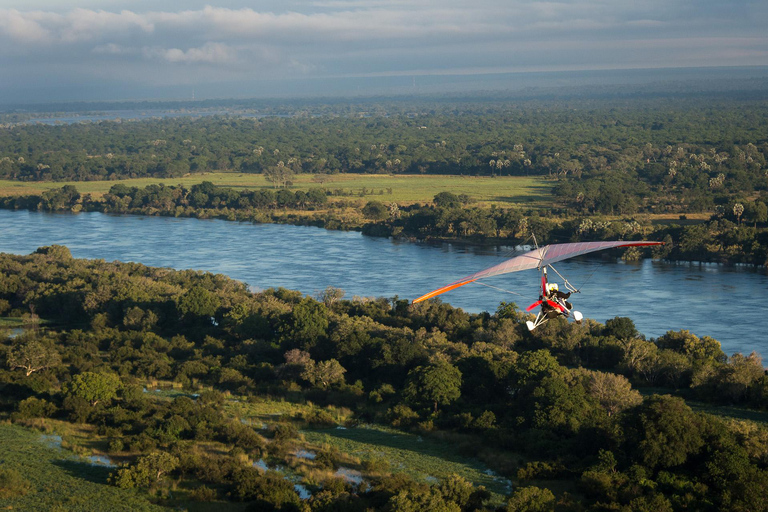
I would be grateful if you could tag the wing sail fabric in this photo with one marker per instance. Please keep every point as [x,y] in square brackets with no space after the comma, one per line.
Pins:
[536,258]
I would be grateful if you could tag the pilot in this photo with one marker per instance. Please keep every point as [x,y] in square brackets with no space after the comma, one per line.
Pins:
[556,295]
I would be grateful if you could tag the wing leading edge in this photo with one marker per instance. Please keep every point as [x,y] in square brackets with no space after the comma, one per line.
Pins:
[536,258]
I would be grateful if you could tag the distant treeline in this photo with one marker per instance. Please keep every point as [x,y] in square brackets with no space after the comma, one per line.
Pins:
[566,398]
[608,157]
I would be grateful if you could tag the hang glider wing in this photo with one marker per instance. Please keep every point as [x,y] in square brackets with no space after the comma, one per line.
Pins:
[536,258]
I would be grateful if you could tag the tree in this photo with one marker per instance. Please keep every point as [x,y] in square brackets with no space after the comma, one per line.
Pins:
[447,200]
[94,387]
[439,383]
[375,210]
[418,500]
[32,356]
[614,392]
[532,366]
[278,175]
[621,327]
[665,432]
[685,342]
[331,295]
[306,324]
[199,302]
[531,499]
[147,471]
[324,373]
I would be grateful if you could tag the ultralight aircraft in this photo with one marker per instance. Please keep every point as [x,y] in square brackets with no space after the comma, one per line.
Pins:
[552,301]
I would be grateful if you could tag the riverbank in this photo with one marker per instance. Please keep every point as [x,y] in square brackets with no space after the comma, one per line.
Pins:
[311,259]
[449,217]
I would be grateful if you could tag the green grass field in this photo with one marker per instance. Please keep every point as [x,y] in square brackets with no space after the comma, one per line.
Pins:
[423,458]
[59,480]
[405,189]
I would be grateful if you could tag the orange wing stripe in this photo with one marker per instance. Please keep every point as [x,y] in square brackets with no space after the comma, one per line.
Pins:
[442,290]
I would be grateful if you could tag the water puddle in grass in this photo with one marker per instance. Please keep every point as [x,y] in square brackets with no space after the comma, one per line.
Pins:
[300,489]
[52,440]
[304,454]
[350,476]
[101,461]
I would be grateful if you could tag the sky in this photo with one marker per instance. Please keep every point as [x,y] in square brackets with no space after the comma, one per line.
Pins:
[52,50]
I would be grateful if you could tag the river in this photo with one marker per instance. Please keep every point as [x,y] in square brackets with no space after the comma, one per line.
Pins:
[722,302]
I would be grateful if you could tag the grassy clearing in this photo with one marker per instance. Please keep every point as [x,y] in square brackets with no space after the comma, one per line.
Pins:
[59,480]
[12,322]
[731,412]
[723,411]
[403,189]
[421,457]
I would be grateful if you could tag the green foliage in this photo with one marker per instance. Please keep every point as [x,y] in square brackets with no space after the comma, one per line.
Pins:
[438,383]
[531,499]
[94,387]
[33,407]
[269,491]
[666,432]
[306,325]
[420,501]
[32,355]
[147,471]
[57,481]
[510,394]
[375,210]
[621,328]
[12,484]
[199,302]
[323,373]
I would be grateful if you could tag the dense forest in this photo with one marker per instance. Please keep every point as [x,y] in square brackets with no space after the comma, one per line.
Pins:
[578,417]
[609,162]
[608,157]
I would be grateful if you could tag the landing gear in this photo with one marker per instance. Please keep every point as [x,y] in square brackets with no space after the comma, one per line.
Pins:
[543,317]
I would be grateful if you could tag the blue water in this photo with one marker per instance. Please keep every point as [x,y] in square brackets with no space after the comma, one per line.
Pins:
[137,115]
[725,303]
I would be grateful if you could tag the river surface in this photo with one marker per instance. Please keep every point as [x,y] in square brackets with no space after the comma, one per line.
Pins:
[137,115]
[725,303]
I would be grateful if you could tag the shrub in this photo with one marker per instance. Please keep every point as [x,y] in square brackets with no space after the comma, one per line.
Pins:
[283,431]
[12,484]
[34,408]
[319,418]
[203,493]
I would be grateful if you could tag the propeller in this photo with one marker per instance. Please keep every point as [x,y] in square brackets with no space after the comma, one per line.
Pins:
[534,305]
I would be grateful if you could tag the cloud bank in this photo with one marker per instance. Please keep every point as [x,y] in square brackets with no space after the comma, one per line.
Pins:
[336,38]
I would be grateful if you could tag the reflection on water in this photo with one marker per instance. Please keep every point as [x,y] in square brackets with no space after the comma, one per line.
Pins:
[707,299]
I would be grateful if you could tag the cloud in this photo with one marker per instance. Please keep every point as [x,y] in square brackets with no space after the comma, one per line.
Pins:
[209,53]
[321,38]
[22,28]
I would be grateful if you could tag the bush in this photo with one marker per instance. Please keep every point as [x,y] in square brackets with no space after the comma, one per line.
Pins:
[284,431]
[203,493]
[402,416]
[12,484]
[34,408]
[319,418]
[531,499]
